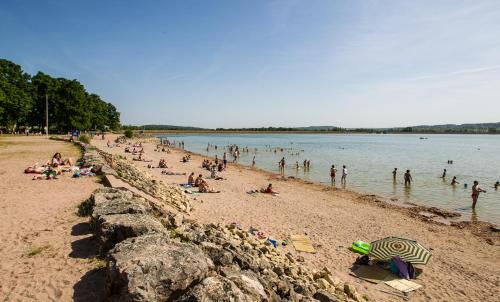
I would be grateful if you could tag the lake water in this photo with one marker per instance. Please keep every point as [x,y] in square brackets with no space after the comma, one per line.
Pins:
[370,160]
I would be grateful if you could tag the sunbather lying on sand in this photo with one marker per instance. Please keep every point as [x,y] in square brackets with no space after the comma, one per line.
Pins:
[205,188]
[35,169]
[140,158]
[165,172]
[268,190]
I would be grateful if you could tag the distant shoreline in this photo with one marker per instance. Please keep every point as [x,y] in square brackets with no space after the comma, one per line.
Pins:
[299,132]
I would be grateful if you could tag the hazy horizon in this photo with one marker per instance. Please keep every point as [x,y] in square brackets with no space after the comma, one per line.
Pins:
[239,64]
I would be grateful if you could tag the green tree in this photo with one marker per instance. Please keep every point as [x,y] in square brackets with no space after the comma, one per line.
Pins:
[15,97]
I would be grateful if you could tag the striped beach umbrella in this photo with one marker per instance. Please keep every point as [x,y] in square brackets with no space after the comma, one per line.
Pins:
[409,250]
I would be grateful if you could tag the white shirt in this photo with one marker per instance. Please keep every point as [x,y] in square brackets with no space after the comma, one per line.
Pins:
[344,171]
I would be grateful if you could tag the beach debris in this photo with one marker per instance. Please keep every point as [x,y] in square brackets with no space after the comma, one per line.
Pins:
[302,243]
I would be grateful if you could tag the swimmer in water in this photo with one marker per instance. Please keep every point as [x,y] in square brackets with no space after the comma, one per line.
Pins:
[454,181]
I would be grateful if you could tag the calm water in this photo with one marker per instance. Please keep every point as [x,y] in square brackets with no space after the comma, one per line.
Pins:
[370,160]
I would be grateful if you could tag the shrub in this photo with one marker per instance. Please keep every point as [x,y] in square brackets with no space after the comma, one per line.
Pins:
[84,139]
[129,133]
[86,207]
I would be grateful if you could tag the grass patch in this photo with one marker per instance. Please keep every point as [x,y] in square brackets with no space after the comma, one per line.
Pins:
[36,250]
[86,207]
[95,262]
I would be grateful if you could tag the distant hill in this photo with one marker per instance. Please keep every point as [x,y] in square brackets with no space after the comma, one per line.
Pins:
[491,128]
[480,128]
[162,127]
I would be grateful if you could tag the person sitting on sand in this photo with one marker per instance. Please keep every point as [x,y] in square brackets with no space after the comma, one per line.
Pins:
[475,193]
[198,180]
[205,188]
[162,164]
[57,159]
[269,190]
[454,181]
[191,179]
[220,167]
[213,173]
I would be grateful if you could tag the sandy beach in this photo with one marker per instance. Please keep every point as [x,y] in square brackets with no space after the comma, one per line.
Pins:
[464,266]
[46,249]
[51,255]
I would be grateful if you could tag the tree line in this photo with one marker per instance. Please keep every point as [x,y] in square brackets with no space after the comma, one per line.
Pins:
[71,107]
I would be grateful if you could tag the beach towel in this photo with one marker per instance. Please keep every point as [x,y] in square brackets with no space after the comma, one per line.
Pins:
[403,285]
[302,243]
[374,273]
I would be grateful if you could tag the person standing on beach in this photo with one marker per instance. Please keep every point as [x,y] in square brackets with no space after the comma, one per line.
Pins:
[394,173]
[282,165]
[408,178]
[475,193]
[253,161]
[333,173]
[344,175]
[224,160]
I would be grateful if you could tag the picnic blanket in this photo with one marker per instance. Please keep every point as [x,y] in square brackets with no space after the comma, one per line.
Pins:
[302,243]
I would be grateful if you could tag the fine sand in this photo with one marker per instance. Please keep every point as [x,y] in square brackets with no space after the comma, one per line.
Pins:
[46,251]
[464,266]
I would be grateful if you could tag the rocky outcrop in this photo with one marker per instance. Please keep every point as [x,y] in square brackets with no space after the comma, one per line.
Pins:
[154,268]
[181,260]
[113,229]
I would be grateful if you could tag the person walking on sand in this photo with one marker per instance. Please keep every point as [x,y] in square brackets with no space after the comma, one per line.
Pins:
[333,173]
[475,193]
[344,175]
[408,178]
[394,173]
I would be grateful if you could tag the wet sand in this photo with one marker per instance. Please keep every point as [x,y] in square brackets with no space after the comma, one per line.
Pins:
[464,266]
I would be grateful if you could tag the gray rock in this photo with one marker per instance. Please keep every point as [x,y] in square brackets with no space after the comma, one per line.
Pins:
[324,296]
[218,255]
[249,283]
[112,229]
[217,289]
[154,268]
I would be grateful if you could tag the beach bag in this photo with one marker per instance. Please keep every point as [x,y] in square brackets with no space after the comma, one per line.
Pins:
[401,266]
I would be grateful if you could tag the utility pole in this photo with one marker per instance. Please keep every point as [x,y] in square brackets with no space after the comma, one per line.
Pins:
[47,115]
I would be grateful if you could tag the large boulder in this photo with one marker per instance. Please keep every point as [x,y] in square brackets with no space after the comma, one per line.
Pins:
[215,289]
[112,229]
[154,268]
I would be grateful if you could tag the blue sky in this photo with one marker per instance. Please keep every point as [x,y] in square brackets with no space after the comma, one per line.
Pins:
[261,63]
